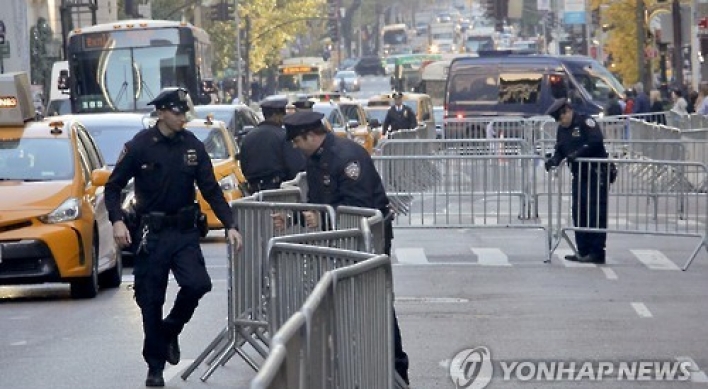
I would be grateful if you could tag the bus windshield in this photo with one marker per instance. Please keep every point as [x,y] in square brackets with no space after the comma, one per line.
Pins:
[123,70]
[395,37]
[128,79]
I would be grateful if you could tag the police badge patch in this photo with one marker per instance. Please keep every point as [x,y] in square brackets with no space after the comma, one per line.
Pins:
[590,122]
[190,159]
[352,170]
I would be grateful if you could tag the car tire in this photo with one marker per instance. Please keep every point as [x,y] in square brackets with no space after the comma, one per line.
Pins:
[113,277]
[87,287]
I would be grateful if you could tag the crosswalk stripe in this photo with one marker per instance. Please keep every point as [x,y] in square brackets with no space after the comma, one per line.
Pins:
[561,253]
[411,256]
[654,259]
[642,310]
[490,256]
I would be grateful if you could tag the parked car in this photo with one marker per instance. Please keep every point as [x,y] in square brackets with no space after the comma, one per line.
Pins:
[239,118]
[54,225]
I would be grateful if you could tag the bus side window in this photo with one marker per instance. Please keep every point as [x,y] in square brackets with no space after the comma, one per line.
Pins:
[558,85]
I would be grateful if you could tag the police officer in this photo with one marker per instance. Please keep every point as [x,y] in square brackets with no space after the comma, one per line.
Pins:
[303,105]
[165,160]
[266,157]
[341,172]
[579,136]
[399,116]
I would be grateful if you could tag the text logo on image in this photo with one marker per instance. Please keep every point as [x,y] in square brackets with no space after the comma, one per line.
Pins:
[472,368]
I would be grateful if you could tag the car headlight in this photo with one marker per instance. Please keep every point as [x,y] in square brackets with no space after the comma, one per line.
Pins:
[68,210]
[228,183]
[360,140]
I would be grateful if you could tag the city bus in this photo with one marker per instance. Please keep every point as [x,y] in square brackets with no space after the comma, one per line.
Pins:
[304,75]
[121,66]
[395,39]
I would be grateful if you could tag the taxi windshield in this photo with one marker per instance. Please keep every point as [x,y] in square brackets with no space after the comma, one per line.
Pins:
[111,137]
[36,159]
[214,142]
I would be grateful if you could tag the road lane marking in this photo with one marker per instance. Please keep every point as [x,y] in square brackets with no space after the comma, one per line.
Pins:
[561,253]
[697,375]
[171,372]
[490,256]
[609,273]
[20,343]
[642,310]
[411,256]
[433,300]
[655,260]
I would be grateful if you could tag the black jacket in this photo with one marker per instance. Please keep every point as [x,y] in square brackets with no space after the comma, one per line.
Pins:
[165,170]
[399,120]
[266,153]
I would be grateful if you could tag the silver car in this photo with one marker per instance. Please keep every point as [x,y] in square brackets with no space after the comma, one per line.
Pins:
[350,79]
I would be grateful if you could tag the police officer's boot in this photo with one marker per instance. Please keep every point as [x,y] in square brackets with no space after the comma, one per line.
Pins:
[173,353]
[154,378]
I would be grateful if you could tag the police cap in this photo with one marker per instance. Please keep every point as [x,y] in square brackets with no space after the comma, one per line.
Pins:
[301,122]
[555,109]
[304,104]
[274,104]
[174,99]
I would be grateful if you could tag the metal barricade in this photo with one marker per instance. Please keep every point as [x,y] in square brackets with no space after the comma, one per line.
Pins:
[295,269]
[648,197]
[468,191]
[283,195]
[248,270]
[369,221]
[300,182]
[348,341]
[487,128]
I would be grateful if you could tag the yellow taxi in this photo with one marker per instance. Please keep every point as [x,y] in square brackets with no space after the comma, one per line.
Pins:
[222,149]
[358,124]
[54,225]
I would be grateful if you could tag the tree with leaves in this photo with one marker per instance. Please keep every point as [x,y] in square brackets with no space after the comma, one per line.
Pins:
[622,37]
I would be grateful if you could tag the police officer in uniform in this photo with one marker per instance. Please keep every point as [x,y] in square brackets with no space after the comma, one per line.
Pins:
[341,172]
[266,157]
[165,160]
[399,116]
[579,136]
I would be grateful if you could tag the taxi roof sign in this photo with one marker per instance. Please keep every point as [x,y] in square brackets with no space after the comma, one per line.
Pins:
[16,105]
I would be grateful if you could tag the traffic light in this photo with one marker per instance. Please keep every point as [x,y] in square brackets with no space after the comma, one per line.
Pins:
[333,20]
[223,11]
[333,29]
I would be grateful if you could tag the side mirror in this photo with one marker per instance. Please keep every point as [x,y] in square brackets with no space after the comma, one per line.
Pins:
[63,81]
[99,177]
[374,123]
[353,123]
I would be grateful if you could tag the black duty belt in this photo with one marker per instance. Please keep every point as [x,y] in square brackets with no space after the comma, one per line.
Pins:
[184,219]
[264,183]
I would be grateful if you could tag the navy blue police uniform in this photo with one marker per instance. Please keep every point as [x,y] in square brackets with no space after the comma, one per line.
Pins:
[341,172]
[167,238]
[267,158]
[590,184]
[399,118]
